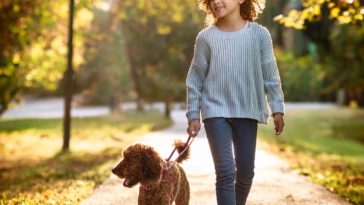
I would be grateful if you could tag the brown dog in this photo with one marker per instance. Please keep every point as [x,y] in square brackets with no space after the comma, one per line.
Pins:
[161,182]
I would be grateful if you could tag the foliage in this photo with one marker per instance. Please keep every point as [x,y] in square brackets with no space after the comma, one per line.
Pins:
[315,144]
[104,74]
[348,55]
[302,79]
[336,30]
[159,44]
[32,171]
[35,38]
[348,11]
[14,34]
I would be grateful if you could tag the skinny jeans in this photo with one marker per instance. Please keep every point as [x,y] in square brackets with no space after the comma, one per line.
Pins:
[229,138]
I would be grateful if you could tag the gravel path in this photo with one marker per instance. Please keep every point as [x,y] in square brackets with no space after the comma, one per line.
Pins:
[274,183]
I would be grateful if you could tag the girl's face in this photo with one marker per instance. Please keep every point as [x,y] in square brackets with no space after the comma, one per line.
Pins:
[223,8]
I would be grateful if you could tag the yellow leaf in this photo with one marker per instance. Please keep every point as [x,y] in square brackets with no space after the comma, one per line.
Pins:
[298,26]
[331,5]
[164,29]
[316,10]
[288,24]
[352,11]
[293,13]
[304,14]
[282,20]
[344,19]
[177,17]
[358,17]
[334,13]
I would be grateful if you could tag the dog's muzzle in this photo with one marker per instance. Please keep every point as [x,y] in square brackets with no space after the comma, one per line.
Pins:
[113,170]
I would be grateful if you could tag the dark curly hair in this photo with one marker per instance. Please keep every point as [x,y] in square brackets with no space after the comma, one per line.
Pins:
[249,10]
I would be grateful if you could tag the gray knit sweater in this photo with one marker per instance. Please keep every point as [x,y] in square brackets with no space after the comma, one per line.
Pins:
[234,75]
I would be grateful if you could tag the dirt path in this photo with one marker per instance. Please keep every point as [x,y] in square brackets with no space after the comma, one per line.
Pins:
[274,183]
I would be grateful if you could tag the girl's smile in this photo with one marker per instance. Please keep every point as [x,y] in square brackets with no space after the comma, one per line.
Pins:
[218,8]
[225,8]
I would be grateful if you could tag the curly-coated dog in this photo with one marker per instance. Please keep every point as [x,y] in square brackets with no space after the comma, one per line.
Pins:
[161,182]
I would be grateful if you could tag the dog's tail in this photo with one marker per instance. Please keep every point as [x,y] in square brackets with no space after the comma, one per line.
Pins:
[180,146]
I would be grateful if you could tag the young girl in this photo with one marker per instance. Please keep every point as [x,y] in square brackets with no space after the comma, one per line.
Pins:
[232,79]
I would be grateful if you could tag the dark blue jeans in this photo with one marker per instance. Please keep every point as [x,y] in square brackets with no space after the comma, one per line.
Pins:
[234,177]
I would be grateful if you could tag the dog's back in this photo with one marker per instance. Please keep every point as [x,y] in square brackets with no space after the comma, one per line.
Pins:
[183,195]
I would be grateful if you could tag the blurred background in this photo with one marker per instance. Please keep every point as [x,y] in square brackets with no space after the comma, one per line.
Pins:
[129,62]
[141,51]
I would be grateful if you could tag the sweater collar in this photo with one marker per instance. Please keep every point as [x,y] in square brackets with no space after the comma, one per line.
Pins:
[221,33]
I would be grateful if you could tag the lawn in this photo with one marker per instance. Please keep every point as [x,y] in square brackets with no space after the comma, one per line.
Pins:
[34,171]
[327,145]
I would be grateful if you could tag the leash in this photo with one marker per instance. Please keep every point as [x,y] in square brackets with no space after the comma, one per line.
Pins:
[168,164]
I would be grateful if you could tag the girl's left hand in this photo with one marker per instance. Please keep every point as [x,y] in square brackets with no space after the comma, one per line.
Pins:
[278,123]
[193,128]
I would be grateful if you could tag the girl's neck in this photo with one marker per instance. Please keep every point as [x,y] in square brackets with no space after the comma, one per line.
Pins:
[231,25]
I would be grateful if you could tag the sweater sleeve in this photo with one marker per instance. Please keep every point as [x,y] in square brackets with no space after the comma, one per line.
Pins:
[196,77]
[272,81]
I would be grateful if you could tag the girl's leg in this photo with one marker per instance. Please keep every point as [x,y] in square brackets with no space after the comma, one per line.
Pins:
[219,134]
[244,139]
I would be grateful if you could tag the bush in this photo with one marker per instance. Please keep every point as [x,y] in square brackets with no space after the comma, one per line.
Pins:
[302,77]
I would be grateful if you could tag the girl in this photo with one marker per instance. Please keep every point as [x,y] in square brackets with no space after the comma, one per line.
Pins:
[232,79]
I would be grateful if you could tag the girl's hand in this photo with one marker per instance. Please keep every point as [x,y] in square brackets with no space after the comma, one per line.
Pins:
[278,123]
[194,127]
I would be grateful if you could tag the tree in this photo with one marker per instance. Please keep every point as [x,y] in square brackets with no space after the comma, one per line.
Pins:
[14,35]
[68,77]
[159,39]
[104,76]
[336,28]
[33,45]
[349,11]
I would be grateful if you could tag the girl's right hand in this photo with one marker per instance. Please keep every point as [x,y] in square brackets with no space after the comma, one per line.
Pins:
[194,127]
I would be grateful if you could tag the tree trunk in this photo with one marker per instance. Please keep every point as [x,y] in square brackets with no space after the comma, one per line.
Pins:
[167,109]
[68,76]
[140,105]
[115,104]
[2,110]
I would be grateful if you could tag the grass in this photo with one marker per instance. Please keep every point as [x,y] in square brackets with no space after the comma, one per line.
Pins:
[327,145]
[34,171]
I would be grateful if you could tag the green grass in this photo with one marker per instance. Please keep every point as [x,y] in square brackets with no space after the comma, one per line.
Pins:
[34,171]
[327,145]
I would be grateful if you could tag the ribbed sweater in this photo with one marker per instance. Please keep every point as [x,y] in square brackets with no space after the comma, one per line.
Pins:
[234,75]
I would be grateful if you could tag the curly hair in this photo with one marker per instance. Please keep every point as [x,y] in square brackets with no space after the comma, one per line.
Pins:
[249,10]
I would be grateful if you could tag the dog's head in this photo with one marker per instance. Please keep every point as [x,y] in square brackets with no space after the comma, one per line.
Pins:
[140,163]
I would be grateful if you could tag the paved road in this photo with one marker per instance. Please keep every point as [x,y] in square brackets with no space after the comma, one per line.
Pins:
[53,108]
[274,183]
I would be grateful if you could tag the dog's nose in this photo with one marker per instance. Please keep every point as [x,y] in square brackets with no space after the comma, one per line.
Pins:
[113,170]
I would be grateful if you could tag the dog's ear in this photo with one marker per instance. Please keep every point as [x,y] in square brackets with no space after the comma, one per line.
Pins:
[152,164]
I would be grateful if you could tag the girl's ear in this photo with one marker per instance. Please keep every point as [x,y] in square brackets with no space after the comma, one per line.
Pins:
[241,1]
